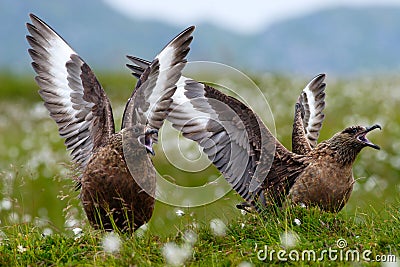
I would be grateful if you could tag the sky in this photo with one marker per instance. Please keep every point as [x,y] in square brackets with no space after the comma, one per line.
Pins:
[248,16]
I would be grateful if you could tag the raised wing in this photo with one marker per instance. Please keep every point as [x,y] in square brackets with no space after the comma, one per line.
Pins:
[227,130]
[309,116]
[235,139]
[151,100]
[71,92]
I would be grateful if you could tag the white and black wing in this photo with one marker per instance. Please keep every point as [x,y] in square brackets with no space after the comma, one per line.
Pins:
[309,115]
[226,129]
[232,136]
[71,92]
[151,100]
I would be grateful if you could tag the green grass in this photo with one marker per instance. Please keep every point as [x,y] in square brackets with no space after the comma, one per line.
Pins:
[25,244]
[37,196]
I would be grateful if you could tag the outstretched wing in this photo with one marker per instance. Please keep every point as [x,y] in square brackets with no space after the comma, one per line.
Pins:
[151,100]
[71,92]
[309,116]
[235,139]
[228,131]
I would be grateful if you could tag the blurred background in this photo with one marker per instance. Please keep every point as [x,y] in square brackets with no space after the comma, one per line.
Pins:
[280,45]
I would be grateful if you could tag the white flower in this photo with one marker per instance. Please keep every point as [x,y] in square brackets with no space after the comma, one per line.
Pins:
[71,222]
[21,249]
[47,231]
[289,239]
[218,227]
[111,243]
[180,213]
[6,204]
[190,237]
[77,230]
[245,264]
[297,221]
[13,217]
[26,218]
[176,255]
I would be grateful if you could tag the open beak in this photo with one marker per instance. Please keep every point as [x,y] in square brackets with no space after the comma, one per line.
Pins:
[363,138]
[148,140]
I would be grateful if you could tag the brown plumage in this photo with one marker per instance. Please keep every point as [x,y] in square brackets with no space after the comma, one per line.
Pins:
[117,178]
[253,161]
[324,175]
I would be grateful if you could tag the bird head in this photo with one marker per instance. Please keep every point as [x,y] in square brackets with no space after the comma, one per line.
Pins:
[146,139]
[356,136]
[349,142]
[144,135]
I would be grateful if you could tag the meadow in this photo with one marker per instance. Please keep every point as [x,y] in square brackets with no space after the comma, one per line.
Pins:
[39,208]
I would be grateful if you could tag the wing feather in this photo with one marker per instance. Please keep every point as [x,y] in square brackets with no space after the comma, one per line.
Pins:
[71,92]
[151,99]
[309,116]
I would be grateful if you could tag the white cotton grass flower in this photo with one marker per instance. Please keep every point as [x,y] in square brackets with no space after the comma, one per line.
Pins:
[190,237]
[47,231]
[13,217]
[21,249]
[6,204]
[71,222]
[289,239]
[179,213]
[218,227]
[77,232]
[245,264]
[111,242]
[26,218]
[176,255]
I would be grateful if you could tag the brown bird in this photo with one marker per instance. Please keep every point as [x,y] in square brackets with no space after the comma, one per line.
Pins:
[117,178]
[253,161]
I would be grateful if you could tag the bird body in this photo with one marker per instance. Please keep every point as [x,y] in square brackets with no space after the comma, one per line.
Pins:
[324,181]
[253,161]
[323,177]
[111,193]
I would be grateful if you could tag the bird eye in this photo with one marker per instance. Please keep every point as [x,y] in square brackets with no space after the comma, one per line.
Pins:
[351,130]
[136,130]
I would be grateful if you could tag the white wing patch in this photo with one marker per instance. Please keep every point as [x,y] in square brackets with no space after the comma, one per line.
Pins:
[312,100]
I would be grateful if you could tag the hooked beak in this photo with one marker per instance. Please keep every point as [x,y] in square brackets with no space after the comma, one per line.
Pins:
[148,140]
[362,136]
